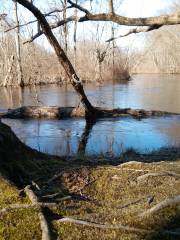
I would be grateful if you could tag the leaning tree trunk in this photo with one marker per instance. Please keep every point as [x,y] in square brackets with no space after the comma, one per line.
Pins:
[62,57]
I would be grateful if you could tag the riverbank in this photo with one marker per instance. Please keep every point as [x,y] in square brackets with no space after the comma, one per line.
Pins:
[108,199]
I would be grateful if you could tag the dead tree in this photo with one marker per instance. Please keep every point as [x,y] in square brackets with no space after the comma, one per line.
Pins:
[18,48]
[65,29]
[75,37]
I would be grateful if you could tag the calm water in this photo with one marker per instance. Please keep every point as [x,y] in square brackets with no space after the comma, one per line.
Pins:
[110,137]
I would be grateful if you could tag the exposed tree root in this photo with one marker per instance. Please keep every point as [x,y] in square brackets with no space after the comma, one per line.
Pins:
[111,226]
[102,226]
[157,174]
[56,195]
[46,233]
[170,202]
[27,206]
[131,203]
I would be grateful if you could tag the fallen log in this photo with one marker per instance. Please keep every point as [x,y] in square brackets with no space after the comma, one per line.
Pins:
[55,112]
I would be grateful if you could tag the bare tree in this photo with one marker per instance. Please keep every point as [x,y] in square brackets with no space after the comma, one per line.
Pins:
[18,48]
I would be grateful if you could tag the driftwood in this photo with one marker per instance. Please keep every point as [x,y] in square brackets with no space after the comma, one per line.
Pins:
[170,202]
[67,112]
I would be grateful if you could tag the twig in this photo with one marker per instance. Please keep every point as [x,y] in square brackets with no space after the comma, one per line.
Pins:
[170,202]
[35,20]
[136,30]
[53,26]
[78,7]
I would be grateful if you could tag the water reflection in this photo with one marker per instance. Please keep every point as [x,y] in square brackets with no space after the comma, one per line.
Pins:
[85,136]
[158,92]
[108,137]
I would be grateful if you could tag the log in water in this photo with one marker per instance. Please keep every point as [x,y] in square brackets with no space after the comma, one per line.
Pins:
[56,112]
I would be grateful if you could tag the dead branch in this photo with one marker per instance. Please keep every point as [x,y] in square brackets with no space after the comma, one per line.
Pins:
[75,5]
[44,224]
[157,174]
[35,20]
[136,30]
[102,226]
[27,206]
[53,26]
[152,23]
[170,202]
[124,228]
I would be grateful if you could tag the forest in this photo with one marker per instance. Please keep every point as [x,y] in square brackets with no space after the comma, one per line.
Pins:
[89,119]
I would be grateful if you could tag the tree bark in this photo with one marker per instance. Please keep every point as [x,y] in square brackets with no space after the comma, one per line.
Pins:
[63,59]
[18,48]
[111,7]
[75,37]
[65,29]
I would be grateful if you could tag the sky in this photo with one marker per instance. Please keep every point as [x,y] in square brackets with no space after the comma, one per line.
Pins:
[129,8]
[145,8]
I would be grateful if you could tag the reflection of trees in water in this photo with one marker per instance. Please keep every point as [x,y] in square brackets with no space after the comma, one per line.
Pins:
[171,130]
[157,92]
[84,137]
[11,97]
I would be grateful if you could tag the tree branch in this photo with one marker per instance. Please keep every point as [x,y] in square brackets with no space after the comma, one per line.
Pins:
[136,30]
[35,20]
[53,26]
[75,5]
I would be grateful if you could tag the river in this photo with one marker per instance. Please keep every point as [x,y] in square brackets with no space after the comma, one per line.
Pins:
[108,136]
